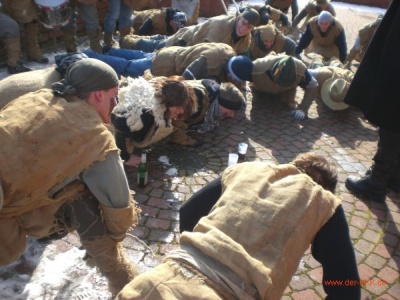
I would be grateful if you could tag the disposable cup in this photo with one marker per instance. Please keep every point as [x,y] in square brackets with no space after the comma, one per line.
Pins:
[232,159]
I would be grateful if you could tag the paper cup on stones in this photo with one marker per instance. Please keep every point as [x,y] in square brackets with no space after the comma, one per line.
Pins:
[232,159]
[242,150]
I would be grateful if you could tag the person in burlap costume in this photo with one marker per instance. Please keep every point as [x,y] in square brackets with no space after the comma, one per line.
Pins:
[9,31]
[277,75]
[269,14]
[333,81]
[87,10]
[17,85]
[193,62]
[213,103]
[145,112]
[266,39]
[244,234]
[60,170]
[324,35]
[284,5]
[164,21]
[232,30]
[24,12]
[362,41]
[312,9]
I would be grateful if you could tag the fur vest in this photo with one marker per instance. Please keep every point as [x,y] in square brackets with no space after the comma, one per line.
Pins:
[138,96]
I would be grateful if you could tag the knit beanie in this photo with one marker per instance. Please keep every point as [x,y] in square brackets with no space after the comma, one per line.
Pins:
[267,32]
[180,19]
[284,71]
[251,15]
[240,68]
[86,75]
[230,96]
[325,16]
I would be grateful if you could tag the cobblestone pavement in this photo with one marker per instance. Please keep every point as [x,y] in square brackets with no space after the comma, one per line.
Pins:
[273,136]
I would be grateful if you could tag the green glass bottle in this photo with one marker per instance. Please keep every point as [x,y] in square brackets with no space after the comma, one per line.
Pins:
[142,172]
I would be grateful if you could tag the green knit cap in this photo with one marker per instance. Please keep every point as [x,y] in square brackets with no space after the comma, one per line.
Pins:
[284,71]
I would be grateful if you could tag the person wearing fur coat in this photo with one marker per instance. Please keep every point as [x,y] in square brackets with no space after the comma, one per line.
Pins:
[145,112]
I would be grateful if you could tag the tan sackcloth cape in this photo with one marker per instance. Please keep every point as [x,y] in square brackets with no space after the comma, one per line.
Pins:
[179,135]
[45,139]
[324,45]
[19,84]
[258,231]
[263,83]
[365,34]
[277,47]
[174,60]
[327,72]
[22,11]
[214,30]
[157,16]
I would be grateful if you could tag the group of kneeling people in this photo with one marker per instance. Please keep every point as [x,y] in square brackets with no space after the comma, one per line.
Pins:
[60,170]
[65,129]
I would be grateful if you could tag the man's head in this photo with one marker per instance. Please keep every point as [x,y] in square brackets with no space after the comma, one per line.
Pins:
[246,21]
[267,35]
[323,4]
[177,97]
[230,99]
[318,168]
[94,81]
[324,20]
[240,69]
[179,20]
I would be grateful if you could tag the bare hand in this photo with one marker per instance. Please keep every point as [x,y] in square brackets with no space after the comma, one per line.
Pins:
[133,161]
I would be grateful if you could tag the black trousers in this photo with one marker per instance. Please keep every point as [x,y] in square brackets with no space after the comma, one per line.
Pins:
[387,157]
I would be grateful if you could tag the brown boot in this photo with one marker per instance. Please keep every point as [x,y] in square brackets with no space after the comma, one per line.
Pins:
[69,35]
[13,56]
[109,258]
[32,43]
[94,39]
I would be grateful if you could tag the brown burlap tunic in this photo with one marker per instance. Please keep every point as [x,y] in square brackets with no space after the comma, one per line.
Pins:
[253,238]
[44,139]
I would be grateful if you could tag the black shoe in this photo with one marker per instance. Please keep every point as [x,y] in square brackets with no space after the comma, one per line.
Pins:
[393,184]
[20,68]
[367,188]
[40,59]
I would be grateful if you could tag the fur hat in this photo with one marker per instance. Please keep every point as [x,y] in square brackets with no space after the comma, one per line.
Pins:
[267,32]
[284,71]
[230,96]
[240,68]
[251,15]
[333,92]
[180,19]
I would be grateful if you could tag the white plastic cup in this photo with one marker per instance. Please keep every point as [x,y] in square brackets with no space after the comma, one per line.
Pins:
[242,150]
[232,159]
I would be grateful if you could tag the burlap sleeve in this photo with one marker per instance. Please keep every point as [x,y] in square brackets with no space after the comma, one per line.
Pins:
[119,220]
